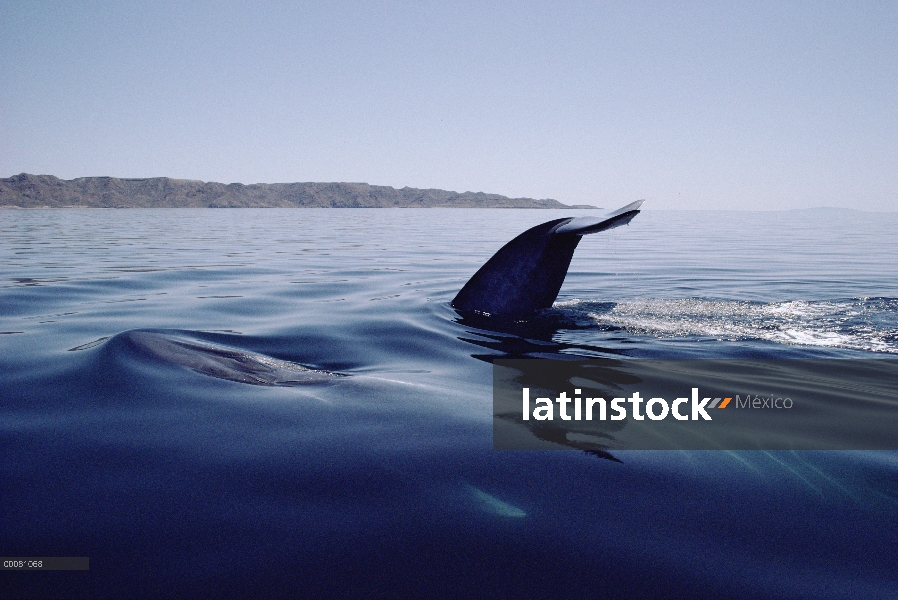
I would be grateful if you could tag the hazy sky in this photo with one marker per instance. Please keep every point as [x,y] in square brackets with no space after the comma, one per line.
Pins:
[690,105]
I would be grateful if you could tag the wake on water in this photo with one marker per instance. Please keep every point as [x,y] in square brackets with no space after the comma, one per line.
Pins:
[856,323]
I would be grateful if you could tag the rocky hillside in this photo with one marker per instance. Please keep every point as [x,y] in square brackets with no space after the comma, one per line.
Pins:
[47,191]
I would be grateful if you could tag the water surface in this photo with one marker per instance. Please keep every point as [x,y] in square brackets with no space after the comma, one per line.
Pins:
[381,481]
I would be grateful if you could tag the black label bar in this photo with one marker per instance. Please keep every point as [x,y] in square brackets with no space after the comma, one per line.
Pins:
[45,563]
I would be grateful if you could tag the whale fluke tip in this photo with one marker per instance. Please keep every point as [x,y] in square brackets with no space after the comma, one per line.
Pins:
[587,225]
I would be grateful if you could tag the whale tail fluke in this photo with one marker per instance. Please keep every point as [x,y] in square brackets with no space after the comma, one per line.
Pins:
[526,273]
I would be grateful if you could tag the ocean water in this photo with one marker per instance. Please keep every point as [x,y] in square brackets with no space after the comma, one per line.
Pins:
[360,464]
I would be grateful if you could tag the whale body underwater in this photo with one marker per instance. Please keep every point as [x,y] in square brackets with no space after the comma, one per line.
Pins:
[524,276]
[252,402]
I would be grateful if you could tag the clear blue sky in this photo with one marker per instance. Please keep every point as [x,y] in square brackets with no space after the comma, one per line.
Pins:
[690,105]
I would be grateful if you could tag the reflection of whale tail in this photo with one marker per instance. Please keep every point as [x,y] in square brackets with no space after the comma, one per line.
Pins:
[527,272]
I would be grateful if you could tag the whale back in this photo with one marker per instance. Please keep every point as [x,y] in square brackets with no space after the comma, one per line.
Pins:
[526,274]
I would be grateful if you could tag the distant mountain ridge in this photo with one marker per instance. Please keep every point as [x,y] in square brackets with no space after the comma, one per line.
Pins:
[47,191]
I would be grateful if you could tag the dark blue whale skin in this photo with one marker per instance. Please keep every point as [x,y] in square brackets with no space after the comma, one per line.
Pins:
[526,274]
[233,364]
